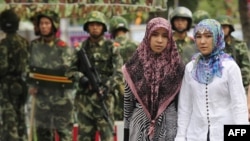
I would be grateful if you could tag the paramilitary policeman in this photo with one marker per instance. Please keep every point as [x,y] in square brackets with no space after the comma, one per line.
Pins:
[181,22]
[235,47]
[105,58]
[200,15]
[119,30]
[13,66]
[51,58]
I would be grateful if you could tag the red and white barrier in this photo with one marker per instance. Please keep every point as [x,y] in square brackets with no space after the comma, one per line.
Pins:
[118,132]
[117,137]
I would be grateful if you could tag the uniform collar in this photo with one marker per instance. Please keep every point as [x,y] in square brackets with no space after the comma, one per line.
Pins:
[99,43]
[186,39]
[229,40]
[121,39]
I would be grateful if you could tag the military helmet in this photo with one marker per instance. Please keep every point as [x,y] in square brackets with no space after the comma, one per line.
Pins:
[182,12]
[34,21]
[33,17]
[200,15]
[9,21]
[226,20]
[52,16]
[118,22]
[95,16]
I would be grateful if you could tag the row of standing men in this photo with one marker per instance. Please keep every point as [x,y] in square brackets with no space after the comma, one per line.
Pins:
[50,72]
[50,62]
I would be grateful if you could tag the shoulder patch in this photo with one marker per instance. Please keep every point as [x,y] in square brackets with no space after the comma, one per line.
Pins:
[76,44]
[61,43]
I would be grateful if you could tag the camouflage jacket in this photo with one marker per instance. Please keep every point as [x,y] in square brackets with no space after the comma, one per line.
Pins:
[239,51]
[51,58]
[127,47]
[105,57]
[186,48]
[13,55]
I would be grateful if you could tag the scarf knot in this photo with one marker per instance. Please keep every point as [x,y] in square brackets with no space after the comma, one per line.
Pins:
[151,129]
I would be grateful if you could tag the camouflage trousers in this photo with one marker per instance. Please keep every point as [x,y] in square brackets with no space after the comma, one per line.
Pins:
[53,112]
[90,116]
[118,90]
[12,102]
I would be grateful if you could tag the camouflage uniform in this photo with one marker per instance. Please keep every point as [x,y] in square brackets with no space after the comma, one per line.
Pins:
[238,49]
[13,64]
[127,48]
[200,15]
[186,46]
[107,61]
[49,61]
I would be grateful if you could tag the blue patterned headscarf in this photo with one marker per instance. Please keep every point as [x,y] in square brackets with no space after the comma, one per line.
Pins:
[206,68]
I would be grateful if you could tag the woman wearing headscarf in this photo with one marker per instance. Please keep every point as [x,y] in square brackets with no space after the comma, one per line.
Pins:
[212,93]
[152,81]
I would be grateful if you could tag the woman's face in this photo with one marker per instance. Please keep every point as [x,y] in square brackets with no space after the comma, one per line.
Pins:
[159,40]
[204,42]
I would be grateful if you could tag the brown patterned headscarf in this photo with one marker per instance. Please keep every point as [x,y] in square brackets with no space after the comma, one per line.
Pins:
[154,79]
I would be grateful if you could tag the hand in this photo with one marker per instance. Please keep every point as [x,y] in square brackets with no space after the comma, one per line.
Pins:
[248,106]
[75,76]
[84,82]
[103,91]
[32,90]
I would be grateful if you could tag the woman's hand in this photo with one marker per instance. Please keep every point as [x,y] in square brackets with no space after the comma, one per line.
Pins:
[248,102]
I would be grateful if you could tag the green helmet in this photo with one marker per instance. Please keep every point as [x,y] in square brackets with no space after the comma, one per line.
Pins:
[9,21]
[200,15]
[95,16]
[33,17]
[225,20]
[118,22]
[33,20]
[182,12]
[54,18]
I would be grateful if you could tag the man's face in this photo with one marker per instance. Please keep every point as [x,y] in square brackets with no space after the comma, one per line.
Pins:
[226,30]
[180,23]
[95,29]
[45,26]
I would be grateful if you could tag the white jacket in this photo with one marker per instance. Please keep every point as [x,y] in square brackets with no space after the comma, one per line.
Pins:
[223,103]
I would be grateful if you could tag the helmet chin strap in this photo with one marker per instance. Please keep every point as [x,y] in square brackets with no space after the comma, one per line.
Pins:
[49,35]
[181,31]
[226,36]
[97,37]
